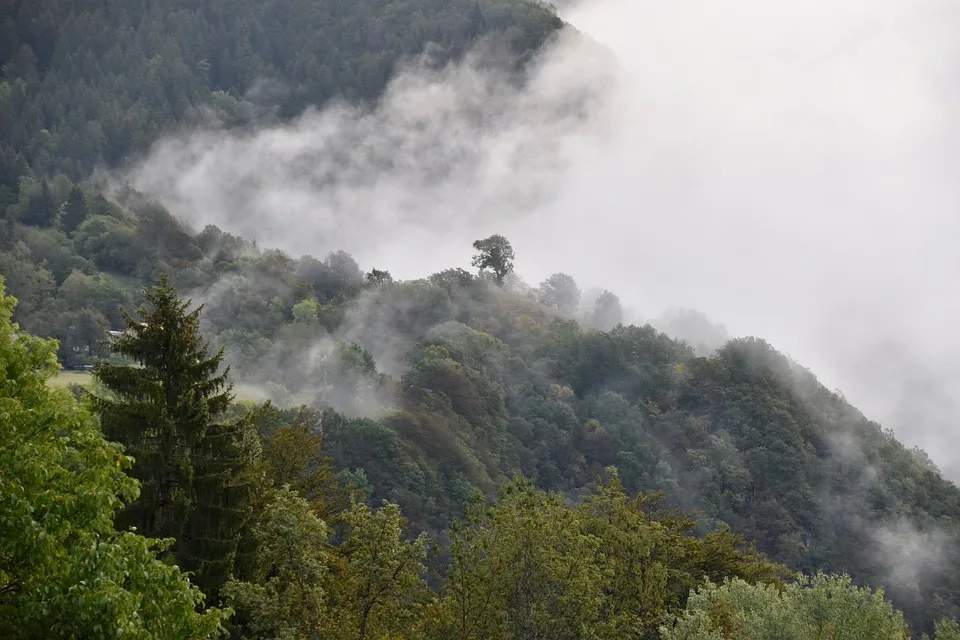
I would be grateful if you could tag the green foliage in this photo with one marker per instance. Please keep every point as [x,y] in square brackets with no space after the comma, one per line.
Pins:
[64,571]
[37,205]
[379,584]
[560,292]
[80,291]
[286,597]
[367,586]
[197,471]
[947,629]
[32,284]
[524,568]
[305,312]
[429,389]
[85,85]
[652,560]
[820,608]
[74,210]
[496,254]
[494,385]
[294,458]
[532,566]
[108,242]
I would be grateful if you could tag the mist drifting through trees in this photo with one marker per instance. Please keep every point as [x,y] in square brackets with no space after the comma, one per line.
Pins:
[404,319]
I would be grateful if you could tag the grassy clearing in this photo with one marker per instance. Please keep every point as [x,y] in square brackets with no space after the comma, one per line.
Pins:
[84,378]
[66,378]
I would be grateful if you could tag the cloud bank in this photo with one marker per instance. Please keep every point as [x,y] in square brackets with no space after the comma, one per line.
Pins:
[787,168]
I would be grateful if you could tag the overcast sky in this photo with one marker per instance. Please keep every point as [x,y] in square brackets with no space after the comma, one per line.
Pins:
[789,168]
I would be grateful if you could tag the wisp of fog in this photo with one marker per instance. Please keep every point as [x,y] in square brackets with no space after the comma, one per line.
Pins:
[786,168]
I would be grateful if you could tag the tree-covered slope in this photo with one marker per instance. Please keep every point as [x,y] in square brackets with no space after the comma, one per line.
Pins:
[426,390]
[87,83]
[486,383]
[423,391]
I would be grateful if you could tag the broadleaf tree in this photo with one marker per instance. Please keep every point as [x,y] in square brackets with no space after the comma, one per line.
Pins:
[496,254]
[65,571]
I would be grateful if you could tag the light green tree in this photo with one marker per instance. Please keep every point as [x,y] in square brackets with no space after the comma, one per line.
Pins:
[947,629]
[651,559]
[286,597]
[378,590]
[368,587]
[305,312]
[65,572]
[823,607]
[523,568]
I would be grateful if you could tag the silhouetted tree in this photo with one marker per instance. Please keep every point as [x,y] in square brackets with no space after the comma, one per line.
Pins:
[496,254]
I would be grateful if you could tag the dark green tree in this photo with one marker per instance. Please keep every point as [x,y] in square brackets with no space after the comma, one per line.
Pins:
[74,210]
[198,470]
[376,276]
[496,254]
[41,208]
[476,23]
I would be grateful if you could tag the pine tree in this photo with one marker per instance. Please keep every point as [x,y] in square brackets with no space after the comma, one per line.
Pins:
[477,23]
[198,470]
[74,211]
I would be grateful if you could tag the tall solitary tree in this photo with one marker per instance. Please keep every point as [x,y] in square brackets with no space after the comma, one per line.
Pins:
[197,469]
[496,254]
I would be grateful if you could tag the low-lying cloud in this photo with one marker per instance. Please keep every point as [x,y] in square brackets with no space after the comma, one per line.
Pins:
[787,168]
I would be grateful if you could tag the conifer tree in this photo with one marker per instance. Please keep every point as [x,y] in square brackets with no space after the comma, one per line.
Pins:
[41,209]
[199,471]
[74,210]
[64,571]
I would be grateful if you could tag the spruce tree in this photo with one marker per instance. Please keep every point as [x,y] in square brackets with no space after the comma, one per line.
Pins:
[74,210]
[198,470]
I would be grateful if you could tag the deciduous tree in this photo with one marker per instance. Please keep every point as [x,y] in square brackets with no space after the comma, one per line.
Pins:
[65,572]
[496,254]
[560,292]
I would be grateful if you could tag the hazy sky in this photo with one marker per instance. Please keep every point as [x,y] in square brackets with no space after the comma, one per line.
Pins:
[788,168]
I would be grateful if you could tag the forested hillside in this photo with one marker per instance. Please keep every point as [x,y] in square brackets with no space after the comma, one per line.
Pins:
[580,478]
[87,83]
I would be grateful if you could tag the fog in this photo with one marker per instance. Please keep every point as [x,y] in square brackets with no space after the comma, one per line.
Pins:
[786,168]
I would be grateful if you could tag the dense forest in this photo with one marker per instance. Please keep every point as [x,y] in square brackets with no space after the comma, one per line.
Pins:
[85,84]
[273,446]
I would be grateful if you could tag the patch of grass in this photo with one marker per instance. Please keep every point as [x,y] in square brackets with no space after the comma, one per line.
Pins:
[65,378]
